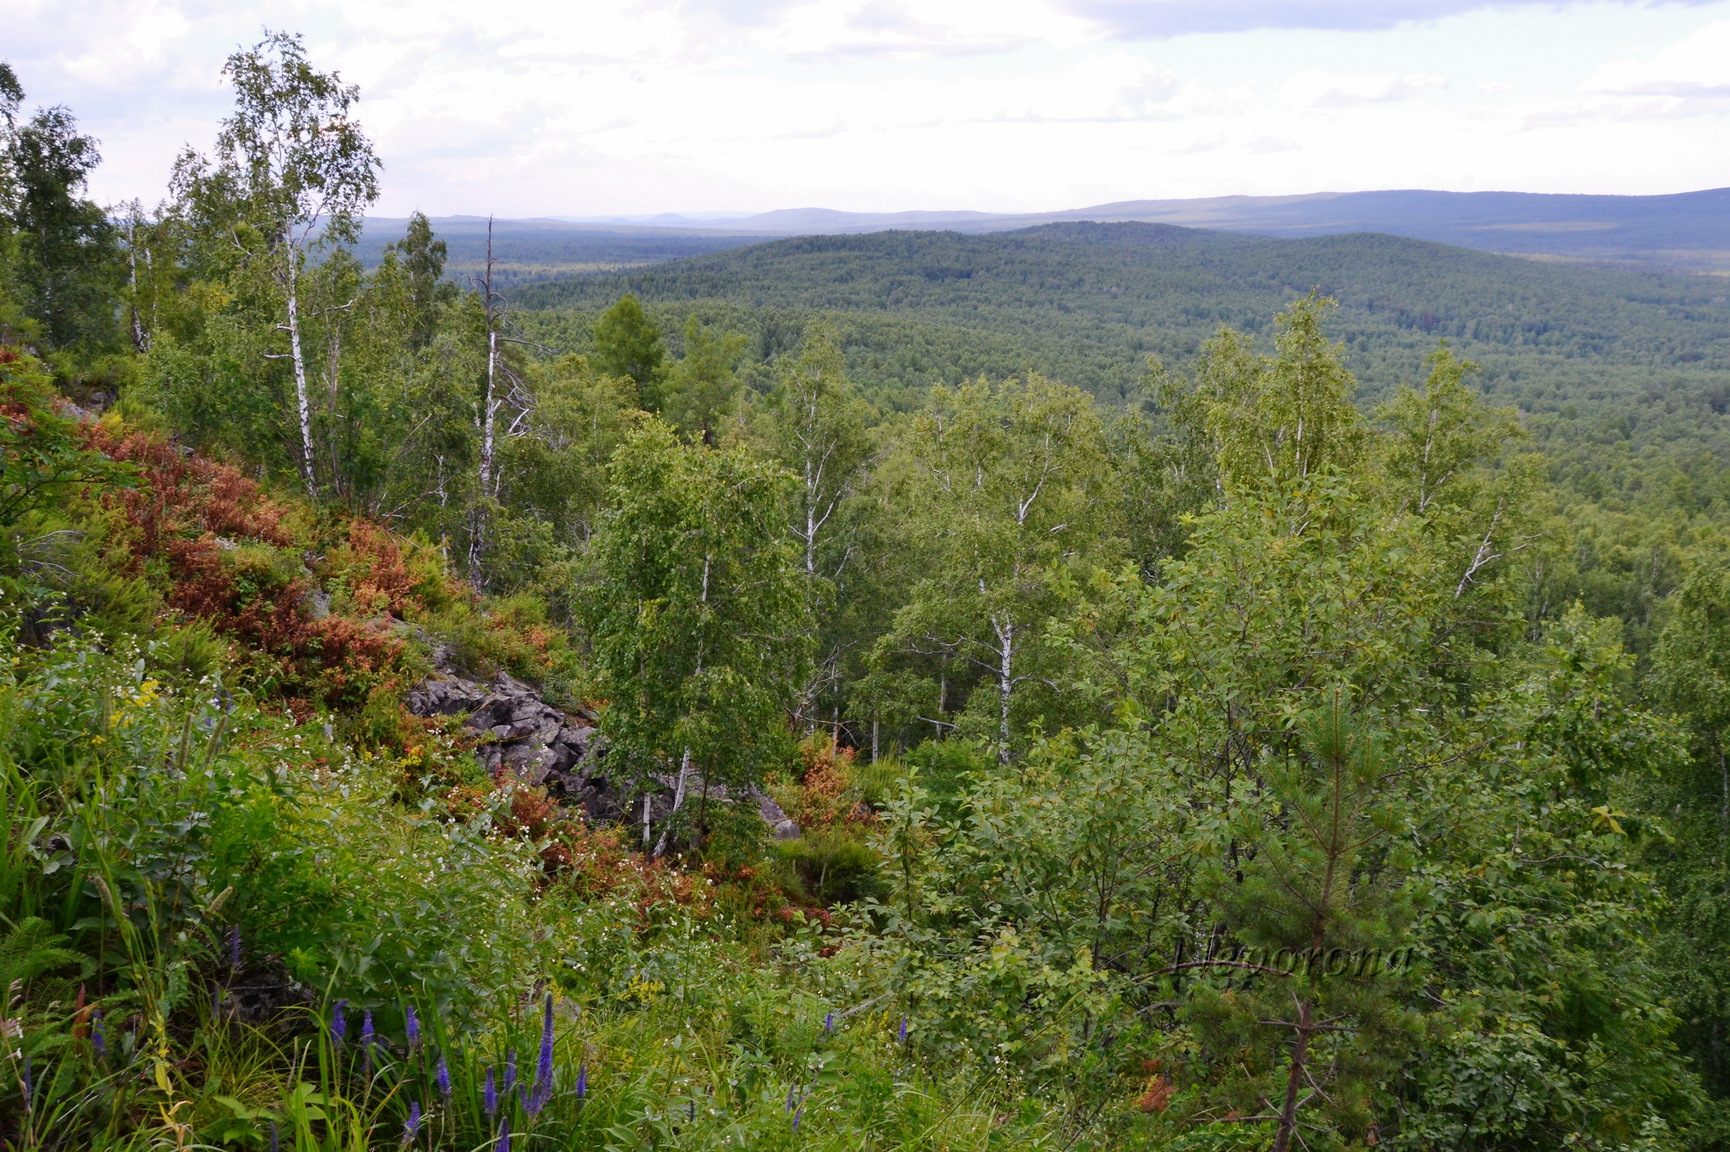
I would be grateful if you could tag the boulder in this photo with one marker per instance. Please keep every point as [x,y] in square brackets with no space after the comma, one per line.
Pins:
[536,743]
[520,731]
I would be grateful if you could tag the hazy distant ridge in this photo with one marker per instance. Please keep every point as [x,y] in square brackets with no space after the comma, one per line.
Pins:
[1686,231]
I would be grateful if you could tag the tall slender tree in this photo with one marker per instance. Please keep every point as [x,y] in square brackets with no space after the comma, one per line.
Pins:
[1000,488]
[292,171]
[423,257]
[627,343]
[815,425]
[699,601]
[700,385]
[67,248]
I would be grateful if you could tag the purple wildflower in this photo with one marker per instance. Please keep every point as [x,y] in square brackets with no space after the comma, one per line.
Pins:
[490,1094]
[828,1023]
[582,1080]
[412,1128]
[504,1144]
[510,1071]
[411,1026]
[275,1143]
[444,1078]
[29,1088]
[234,947]
[790,1091]
[544,1070]
[902,1037]
[366,1041]
[339,1021]
[798,1115]
[97,1040]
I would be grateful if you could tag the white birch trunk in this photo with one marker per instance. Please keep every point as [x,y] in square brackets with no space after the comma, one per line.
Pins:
[300,391]
[810,525]
[678,802]
[684,760]
[140,340]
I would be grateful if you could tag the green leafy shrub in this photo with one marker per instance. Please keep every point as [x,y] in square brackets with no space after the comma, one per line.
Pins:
[832,867]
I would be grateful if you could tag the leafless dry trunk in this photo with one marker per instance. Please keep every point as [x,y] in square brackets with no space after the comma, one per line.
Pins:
[489,413]
[140,338]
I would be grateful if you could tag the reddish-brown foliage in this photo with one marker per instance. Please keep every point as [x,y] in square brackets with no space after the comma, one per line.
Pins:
[205,585]
[193,516]
[382,582]
[183,495]
[821,799]
[1157,1094]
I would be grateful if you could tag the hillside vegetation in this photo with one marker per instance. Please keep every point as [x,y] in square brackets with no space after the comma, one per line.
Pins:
[1619,360]
[425,724]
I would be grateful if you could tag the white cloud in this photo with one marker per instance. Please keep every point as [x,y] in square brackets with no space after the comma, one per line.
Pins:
[1329,90]
[1698,65]
[1158,19]
[626,106]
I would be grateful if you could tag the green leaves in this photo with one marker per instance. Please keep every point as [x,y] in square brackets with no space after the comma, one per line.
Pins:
[628,344]
[699,615]
[999,489]
[291,148]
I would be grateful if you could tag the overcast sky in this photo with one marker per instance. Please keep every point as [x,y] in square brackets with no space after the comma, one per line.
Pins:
[590,107]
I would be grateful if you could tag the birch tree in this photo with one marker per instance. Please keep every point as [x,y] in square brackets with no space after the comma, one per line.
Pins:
[487,417]
[1001,488]
[814,426]
[1447,456]
[292,171]
[697,607]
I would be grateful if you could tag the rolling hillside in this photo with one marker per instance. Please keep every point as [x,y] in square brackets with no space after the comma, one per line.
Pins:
[1624,360]
[1688,231]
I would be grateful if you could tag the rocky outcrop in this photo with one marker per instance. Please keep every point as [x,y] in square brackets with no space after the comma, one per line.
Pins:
[520,733]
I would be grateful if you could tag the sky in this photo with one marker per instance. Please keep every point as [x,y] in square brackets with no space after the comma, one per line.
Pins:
[629,107]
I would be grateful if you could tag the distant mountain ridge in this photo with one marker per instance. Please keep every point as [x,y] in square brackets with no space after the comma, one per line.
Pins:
[1687,231]
[1682,232]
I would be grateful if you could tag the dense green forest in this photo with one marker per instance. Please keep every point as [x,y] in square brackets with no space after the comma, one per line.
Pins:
[1619,377]
[857,700]
[1579,346]
[1684,231]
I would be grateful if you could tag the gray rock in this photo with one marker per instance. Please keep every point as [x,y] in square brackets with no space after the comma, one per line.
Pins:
[775,818]
[537,743]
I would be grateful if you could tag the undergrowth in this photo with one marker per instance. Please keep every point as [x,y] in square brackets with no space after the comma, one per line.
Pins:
[248,901]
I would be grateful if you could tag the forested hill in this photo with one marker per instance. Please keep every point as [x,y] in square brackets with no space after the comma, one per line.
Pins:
[1622,358]
[1686,231]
